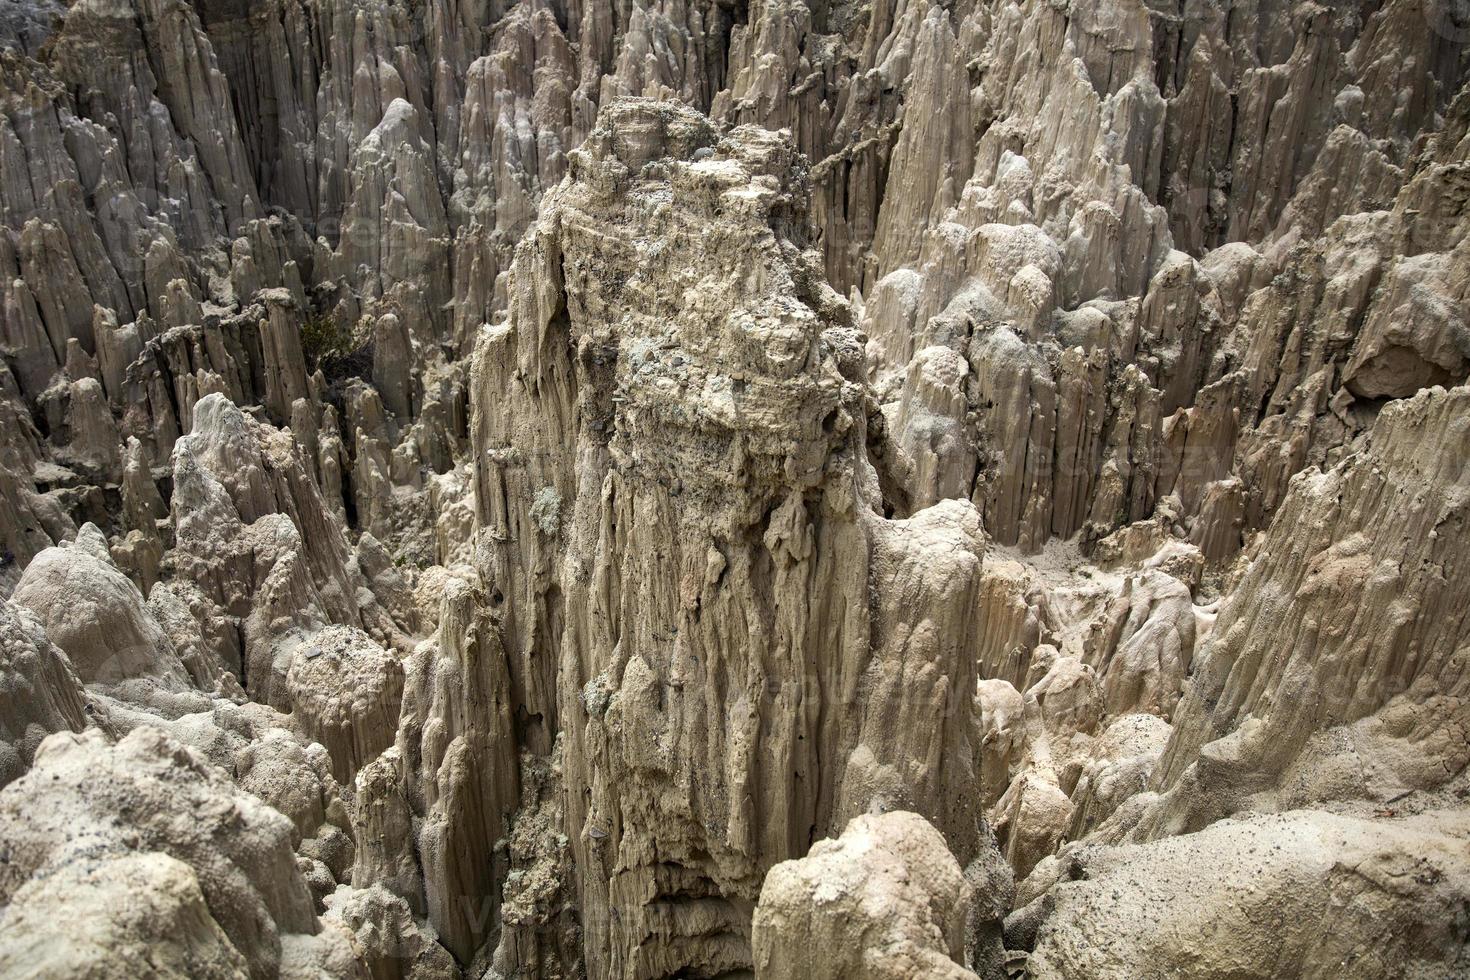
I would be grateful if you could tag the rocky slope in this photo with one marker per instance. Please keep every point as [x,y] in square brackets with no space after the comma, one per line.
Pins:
[709,488]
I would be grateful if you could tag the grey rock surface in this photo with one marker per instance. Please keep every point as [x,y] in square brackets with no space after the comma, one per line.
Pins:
[651,488]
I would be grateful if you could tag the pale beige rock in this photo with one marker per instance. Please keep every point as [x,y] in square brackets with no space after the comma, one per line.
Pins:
[394,946]
[40,693]
[709,431]
[1002,736]
[295,779]
[1303,893]
[333,952]
[1122,766]
[138,914]
[456,743]
[346,691]
[886,899]
[539,929]
[98,617]
[1030,820]
[149,795]
[382,822]
[1143,649]
[696,561]
[1346,614]
[272,568]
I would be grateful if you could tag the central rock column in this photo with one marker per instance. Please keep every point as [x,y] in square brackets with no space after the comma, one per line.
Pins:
[684,532]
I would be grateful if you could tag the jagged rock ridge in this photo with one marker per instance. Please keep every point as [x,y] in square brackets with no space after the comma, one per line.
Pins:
[701,488]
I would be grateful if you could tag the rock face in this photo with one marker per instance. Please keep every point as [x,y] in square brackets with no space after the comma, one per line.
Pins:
[539,488]
[725,414]
[459,767]
[143,913]
[210,845]
[1297,894]
[97,617]
[1348,624]
[886,899]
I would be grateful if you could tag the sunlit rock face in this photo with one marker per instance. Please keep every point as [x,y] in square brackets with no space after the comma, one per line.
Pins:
[698,488]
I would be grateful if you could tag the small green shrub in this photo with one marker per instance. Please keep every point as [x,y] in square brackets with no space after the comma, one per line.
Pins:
[323,338]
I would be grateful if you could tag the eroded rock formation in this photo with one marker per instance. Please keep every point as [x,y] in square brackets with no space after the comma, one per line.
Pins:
[699,488]
[886,899]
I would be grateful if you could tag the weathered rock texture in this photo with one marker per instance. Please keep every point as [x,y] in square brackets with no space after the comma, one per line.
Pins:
[1303,894]
[685,528]
[87,805]
[1350,625]
[886,899]
[528,471]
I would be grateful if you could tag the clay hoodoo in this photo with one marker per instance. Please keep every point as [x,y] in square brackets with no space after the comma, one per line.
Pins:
[543,489]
